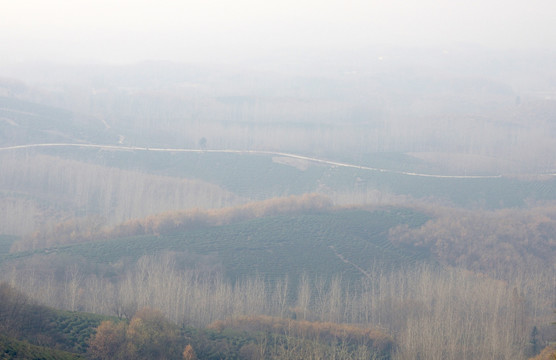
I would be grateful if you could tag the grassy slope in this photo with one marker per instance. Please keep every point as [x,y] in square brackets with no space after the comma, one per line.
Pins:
[72,330]
[275,246]
[17,349]
[253,176]
[67,332]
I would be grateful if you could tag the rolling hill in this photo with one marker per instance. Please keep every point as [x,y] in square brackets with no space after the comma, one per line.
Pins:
[345,242]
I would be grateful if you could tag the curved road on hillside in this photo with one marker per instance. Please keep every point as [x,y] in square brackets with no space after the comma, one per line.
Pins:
[253,152]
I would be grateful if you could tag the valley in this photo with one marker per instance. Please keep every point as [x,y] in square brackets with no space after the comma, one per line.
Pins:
[165,210]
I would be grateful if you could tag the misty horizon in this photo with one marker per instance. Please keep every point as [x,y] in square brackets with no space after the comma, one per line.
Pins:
[288,179]
[221,32]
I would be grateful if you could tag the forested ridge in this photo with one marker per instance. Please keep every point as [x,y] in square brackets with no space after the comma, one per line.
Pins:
[479,240]
[85,230]
[409,301]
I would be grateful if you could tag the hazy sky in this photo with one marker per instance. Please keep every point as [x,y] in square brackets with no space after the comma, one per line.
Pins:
[221,31]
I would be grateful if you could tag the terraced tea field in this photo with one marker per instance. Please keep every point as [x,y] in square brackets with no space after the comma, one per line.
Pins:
[341,242]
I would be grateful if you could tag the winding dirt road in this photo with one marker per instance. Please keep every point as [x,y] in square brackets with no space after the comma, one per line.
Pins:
[254,152]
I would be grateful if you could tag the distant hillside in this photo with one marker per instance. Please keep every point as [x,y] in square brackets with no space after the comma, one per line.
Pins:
[23,319]
[25,122]
[399,180]
[108,187]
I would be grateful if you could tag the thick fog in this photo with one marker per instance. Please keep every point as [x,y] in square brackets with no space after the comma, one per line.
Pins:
[468,86]
[375,167]
[220,31]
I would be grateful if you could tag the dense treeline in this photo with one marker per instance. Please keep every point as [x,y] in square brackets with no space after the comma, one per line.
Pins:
[31,331]
[39,190]
[348,335]
[180,221]
[148,335]
[13,310]
[432,313]
[548,353]
[502,240]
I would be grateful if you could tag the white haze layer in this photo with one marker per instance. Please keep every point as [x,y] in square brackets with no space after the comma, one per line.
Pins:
[218,31]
